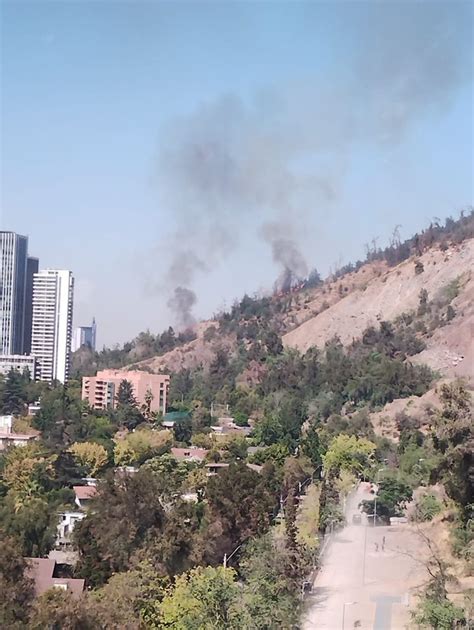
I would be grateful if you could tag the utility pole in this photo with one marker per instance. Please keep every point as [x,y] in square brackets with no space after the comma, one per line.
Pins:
[344,611]
[365,552]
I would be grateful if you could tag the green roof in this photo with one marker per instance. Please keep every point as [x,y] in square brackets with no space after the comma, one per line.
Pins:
[177,416]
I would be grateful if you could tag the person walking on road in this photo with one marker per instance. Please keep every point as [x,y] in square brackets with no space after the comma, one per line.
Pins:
[376,546]
[383,543]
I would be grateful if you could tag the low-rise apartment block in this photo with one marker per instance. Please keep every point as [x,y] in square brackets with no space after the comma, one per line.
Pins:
[101,390]
[19,363]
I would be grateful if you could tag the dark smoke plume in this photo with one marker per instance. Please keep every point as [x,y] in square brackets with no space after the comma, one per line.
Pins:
[230,166]
[181,303]
[287,255]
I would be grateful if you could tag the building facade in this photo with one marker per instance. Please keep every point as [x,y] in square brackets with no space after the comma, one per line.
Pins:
[13,271]
[148,389]
[84,336]
[53,292]
[32,267]
[18,362]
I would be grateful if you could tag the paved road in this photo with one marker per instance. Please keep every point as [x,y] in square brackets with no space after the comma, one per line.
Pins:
[360,587]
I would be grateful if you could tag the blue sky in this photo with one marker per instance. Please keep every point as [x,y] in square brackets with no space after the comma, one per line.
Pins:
[364,109]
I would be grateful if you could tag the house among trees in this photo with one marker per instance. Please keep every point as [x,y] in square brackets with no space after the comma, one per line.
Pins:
[226,426]
[84,494]
[9,438]
[191,454]
[44,573]
[67,522]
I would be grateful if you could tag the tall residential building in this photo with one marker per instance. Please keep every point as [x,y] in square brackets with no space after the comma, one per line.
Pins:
[32,266]
[84,336]
[13,273]
[52,323]
[101,390]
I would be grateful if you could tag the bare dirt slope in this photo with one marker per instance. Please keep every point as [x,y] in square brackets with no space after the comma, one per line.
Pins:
[347,306]
[395,291]
[420,408]
[450,350]
[200,351]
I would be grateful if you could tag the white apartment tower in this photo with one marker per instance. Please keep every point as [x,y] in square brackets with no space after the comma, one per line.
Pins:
[52,323]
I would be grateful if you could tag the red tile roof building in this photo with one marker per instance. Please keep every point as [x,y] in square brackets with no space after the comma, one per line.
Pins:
[41,571]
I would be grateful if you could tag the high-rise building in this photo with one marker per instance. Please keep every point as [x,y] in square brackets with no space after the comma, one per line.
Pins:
[13,274]
[84,336]
[52,323]
[32,266]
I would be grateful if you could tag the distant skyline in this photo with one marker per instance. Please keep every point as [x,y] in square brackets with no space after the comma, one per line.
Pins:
[150,145]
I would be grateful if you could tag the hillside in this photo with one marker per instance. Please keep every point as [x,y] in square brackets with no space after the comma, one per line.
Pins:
[346,307]
[396,291]
[191,355]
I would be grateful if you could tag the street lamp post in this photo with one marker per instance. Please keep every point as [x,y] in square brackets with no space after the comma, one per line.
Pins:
[376,491]
[344,612]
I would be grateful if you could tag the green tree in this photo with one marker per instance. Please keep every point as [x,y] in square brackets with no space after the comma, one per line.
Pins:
[349,453]
[93,457]
[27,473]
[392,497]
[453,437]
[15,587]
[125,396]
[307,518]
[204,599]
[33,524]
[427,507]
[240,501]
[183,430]
[14,395]
[290,521]
[423,305]
[141,445]
[131,599]
[126,511]
[311,447]
[438,614]
[271,585]
[61,416]
[60,610]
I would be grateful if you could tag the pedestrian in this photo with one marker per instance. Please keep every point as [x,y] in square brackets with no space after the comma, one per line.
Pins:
[376,546]
[383,543]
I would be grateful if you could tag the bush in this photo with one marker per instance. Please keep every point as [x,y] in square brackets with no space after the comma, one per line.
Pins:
[438,614]
[427,507]
[330,516]
[419,268]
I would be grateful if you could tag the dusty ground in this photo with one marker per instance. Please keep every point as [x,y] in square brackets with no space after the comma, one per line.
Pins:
[190,355]
[360,585]
[450,350]
[419,407]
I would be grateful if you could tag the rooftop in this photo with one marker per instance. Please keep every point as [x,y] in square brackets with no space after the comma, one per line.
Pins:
[189,453]
[41,571]
[84,492]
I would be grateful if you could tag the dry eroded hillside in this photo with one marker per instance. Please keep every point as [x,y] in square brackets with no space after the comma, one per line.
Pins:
[395,291]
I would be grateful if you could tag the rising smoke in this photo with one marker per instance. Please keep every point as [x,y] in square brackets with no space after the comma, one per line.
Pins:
[231,164]
[181,304]
[286,254]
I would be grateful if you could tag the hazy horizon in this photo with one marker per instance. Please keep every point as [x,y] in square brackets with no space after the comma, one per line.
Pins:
[207,145]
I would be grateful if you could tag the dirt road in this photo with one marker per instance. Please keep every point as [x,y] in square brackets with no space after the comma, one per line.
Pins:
[362,586]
